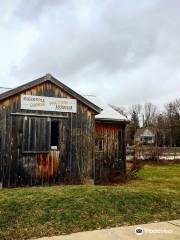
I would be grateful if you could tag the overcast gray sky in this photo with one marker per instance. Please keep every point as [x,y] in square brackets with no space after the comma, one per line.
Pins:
[126,51]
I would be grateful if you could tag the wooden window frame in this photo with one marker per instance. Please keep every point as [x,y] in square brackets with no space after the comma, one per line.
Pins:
[23,137]
[97,145]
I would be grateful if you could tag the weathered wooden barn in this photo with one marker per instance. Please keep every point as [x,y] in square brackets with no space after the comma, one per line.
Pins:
[110,149]
[49,135]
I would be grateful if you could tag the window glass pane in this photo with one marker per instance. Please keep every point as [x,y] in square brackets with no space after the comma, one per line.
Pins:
[99,143]
[54,133]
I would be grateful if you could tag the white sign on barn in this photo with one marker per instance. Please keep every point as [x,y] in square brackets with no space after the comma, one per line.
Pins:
[52,104]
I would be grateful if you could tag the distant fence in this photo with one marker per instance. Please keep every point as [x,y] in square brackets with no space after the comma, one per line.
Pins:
[153,153]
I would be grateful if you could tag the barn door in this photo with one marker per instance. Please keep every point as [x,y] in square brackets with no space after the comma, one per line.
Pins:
[41,144]
[47,164]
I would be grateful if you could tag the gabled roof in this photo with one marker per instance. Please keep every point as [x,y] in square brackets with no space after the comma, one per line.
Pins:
[138,132]
[144,132]
[148,132]
[107,113]
[49,78]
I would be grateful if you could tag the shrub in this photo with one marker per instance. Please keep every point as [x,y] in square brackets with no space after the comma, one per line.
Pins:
[134,169]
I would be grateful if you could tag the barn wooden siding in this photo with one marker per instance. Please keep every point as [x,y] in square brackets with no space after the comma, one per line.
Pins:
[110,165]
[25,157]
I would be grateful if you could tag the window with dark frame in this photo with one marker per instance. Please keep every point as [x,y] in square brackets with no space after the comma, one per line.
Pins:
[99,144]
[54,134]
[40,135]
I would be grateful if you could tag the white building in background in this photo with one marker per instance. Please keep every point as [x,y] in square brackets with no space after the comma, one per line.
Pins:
[145,136]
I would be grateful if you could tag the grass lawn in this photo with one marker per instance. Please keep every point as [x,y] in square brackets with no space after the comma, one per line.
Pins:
[46,211]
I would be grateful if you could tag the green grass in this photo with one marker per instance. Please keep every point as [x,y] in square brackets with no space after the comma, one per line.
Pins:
[46,211]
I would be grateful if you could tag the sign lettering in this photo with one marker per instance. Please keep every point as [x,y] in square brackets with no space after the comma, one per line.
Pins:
[52,104]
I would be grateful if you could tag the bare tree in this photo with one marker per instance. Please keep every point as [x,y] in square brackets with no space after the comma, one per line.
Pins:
[136,110]
[166,124]
[173,122]
[149,114]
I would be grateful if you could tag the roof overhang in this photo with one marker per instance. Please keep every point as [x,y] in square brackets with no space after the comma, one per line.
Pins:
[49,78]
[112,121]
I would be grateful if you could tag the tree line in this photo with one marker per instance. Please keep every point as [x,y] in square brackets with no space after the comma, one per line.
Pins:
[165,124]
